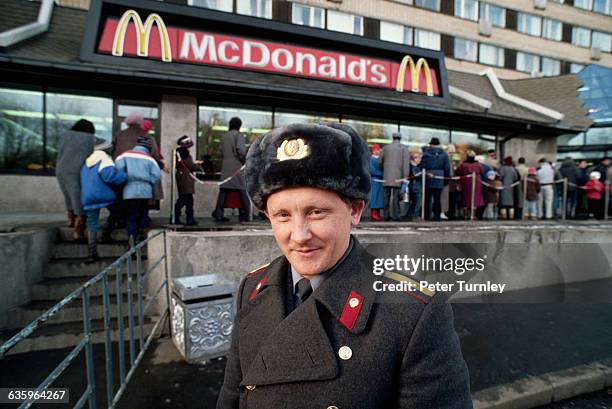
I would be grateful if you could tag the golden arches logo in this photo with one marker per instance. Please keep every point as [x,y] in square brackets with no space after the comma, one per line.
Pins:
[415,71]
[143,32]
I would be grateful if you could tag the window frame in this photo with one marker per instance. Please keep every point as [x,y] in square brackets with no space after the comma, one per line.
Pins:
[354,16]
[462,4]
[522,20]
[487,11]
[415,37]
[312,10]
[499,54]
[466,41]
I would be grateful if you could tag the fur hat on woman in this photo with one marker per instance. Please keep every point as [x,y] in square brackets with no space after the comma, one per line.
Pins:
[185,141]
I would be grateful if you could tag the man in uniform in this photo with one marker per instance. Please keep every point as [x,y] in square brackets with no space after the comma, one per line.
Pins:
[310,331]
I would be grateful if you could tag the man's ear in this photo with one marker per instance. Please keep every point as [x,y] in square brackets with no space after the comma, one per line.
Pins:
[357,207]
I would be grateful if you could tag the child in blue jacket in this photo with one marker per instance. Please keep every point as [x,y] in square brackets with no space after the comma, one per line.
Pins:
[98,176]
[143,173]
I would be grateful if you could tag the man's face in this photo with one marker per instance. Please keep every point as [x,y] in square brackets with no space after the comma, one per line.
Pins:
[606,162]
[492,155]
[312,226]
[582,164]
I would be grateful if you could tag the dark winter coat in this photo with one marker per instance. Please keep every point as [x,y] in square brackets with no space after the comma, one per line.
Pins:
[533,188]
[436,162]
[185,165]
[98,177]
[467,168]
[569,170]
[404,350]
[233,150]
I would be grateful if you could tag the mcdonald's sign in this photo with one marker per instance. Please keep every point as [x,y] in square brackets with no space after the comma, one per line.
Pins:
[125,35]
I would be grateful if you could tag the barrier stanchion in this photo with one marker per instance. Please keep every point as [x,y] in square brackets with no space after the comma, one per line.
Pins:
[423,192]
[172,185]
[606,199]
[564,203]
[525,182]
[472,198]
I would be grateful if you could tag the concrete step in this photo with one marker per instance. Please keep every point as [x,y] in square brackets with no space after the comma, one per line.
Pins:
[22,316]
[75,267]
[57,336]
[65,234]
[57,288]
[72,250]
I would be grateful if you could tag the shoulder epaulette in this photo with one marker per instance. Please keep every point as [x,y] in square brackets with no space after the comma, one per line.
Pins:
[258,270]
[417,291]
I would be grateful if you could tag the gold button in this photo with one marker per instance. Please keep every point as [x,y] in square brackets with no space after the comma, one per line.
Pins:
[251,387]
[353,302]
[345,353]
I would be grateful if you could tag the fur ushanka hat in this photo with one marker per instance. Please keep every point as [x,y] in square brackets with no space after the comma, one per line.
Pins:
[329,156]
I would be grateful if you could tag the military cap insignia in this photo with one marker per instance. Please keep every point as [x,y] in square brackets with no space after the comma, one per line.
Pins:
[292,149]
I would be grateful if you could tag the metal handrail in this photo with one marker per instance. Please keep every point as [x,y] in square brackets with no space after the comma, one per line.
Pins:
[86,342]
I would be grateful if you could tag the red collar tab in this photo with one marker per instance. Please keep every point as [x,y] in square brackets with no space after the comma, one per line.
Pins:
[258,288]
[351,310]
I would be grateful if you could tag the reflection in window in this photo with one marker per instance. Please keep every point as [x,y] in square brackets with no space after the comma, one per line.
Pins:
[465,49]
[344,22]
[602,40]
[584,4]
[308,16]
[493,14]
[571,139]
[581,36]
[576,68]
[373,132]
[427,39]
[552,29]
[288,118]
[63,110]
[222,5]
[529,24]
[21,130]
[428,4]
[550,66]
[599,136]
[255,8]
[465,141]
[602,6]
[527,62]
[466,9]
[213,126]
[489,54]
[396,33]
[417,137]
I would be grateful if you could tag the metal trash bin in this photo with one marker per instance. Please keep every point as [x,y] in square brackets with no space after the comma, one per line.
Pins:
[202,316]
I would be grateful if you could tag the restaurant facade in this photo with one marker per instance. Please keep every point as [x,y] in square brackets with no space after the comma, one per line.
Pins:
[189,70]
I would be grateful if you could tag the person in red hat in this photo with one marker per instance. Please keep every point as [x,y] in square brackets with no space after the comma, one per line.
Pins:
[376,194]
[185,182]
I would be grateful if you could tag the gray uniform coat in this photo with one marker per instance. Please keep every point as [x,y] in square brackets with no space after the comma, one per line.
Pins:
[73,148]
[234,153]
[405,352]
[509,175]
[394,161]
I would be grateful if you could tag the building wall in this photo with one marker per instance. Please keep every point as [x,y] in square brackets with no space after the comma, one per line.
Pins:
[22,193]
[531,149]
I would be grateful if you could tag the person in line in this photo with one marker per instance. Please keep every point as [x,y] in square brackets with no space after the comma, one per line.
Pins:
[546,177]
[519,195]
[143,173]
[468,167]
[491,160]
[569,171]
[233,152]
[395,164]
[582,177]
[594,189]
[437,165]
[73,147]
[415,187]
[376,196]
[508,176]
[532,195]
[98,178]
[185,184]
[491,195]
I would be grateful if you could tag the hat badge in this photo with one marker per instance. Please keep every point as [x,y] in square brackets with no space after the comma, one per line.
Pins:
[292,149]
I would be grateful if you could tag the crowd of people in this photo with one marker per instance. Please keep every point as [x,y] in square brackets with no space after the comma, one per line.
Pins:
[407,185]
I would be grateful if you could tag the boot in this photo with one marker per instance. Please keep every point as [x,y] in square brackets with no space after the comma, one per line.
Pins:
[375,215]
[79,230]
[71,218]
[511,213]
[503,214]
[92,248]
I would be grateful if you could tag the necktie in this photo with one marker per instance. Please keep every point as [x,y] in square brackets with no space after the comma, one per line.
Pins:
[304,289]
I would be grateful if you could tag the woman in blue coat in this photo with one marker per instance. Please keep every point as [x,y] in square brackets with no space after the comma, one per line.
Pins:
[376,195]
[98,177]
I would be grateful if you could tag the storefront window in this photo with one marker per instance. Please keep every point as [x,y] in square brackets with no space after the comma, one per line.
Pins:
[489,54]
[344,22]
[550,66]
[571,139]
[602,40]
[552,29]
[214,123]
[427,39]
[21,130]
[416,137]
[529,24]
[255,8]
[466,9]
[466,49]
[63,110]
[396,33]
[465,141]
[373,132]
[222,5]
[308,15]
[581,36]
[527,62]
[599,136]
[493,14]
[288,118]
